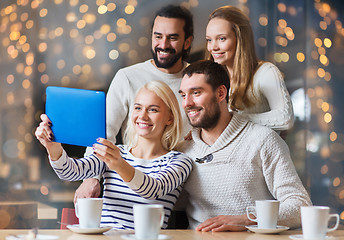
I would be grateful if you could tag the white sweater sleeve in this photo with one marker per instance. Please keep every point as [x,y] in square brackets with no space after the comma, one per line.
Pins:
[153,186]
[283,181]
[117,105]
[269,83]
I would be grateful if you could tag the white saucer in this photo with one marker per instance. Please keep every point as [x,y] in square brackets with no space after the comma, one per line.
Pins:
[278,229]
[132,237]
[300,237]
[38,237]
[76,228]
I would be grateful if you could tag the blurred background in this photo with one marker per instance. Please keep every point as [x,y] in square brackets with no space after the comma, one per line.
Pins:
[83,43]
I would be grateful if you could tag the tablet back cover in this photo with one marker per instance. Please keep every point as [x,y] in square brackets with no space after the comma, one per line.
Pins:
[77,115]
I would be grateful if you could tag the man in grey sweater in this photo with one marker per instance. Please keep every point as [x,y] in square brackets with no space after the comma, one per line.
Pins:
[235,161]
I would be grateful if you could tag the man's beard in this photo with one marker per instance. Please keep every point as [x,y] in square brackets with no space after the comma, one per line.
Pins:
[210,118]
[170,62]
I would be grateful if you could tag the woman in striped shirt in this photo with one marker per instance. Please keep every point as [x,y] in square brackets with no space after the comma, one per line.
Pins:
[145,170]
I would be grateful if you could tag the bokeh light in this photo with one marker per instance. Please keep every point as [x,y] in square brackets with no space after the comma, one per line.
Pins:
[300,57]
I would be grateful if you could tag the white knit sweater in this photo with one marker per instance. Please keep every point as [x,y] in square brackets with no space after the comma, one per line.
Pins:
[250,162]
[272,105]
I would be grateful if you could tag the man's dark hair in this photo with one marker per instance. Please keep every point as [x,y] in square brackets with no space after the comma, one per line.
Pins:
[173,11]
[216,75]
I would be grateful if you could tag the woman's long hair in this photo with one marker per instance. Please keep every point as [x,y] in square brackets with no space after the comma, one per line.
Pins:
[246,62]
[172,132]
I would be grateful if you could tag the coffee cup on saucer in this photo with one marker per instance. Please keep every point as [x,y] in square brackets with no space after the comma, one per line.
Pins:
[148,219]
[89,212]
[265,213]
[315,221]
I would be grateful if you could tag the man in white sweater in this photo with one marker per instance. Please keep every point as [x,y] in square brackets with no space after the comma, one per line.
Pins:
[172,35]
[235,161]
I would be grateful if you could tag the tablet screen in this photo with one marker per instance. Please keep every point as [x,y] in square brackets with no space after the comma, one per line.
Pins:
[78,116]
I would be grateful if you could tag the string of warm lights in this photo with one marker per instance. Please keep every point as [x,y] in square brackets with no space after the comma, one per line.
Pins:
[60,42]
[78,25]
[321,93]
[65,50]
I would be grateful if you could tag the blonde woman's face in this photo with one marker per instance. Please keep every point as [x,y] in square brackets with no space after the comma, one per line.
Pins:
[150,115]
[221,41]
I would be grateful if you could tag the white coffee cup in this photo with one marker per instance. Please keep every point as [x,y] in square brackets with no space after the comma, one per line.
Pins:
[89,212]
[265,212]
[315,221]
[148,219]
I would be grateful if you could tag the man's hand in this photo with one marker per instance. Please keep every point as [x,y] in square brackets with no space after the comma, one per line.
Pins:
[225,223]
[90,188]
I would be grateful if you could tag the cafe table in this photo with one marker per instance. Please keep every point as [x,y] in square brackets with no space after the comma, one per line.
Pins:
[172,234]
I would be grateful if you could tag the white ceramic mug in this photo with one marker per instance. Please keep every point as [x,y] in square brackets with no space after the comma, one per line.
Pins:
[315,221]
[265,212]
[89,212]
[148,219]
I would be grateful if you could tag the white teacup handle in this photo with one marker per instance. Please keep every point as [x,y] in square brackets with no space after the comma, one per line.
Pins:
[249,211]
[162,216]
[76,210]
[337,222]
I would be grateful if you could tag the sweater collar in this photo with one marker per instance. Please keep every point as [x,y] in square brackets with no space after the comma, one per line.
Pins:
[150,65]
[233,129]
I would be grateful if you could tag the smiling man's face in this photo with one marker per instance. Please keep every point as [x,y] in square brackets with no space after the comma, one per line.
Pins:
[168,42]
[199,101]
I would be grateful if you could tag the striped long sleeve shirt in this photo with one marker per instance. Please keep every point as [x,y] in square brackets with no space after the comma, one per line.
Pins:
[156,181]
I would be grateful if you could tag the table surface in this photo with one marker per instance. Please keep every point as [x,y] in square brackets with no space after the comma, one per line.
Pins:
[174,234]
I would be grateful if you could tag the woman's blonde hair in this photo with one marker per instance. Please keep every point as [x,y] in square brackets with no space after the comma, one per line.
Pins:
[172,132]
[245,60]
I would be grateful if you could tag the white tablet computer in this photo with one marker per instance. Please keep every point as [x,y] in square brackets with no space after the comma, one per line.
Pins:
[78,116]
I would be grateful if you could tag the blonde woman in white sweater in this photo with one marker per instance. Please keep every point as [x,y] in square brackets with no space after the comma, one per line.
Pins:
[235,161]
[257,88]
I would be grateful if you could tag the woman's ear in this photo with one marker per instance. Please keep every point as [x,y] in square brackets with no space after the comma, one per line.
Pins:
[170,120]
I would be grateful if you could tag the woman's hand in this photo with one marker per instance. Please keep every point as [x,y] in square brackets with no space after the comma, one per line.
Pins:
[45,136]
[110,154]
